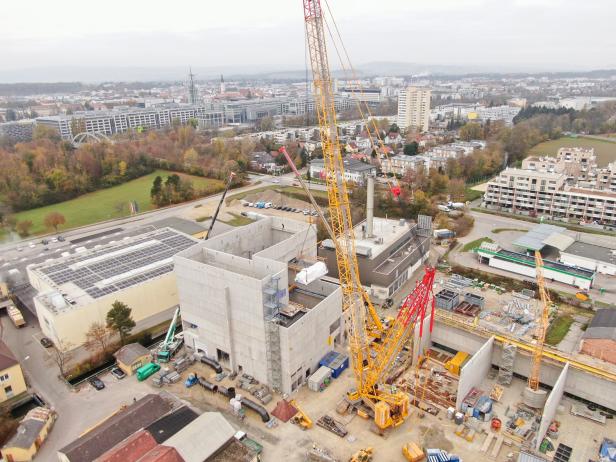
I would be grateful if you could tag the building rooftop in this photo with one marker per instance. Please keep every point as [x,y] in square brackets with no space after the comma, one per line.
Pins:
[592,251]
[117,428]
[132,448]
[179,224]
[168,425]
[534,239]
[7,358]
[29,428]
[603,325]
[91,274]
[529,260]
[350,165]
[129,353]
[202,437]
[385,231]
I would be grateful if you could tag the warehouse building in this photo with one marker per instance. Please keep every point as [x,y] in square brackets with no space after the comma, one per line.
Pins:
[242,305]
[79,289]
[521,263]
[590,256]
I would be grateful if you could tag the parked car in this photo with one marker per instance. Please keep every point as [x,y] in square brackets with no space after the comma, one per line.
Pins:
[118,373]
[46,342]
[97,383]
[61,238]
[45,241]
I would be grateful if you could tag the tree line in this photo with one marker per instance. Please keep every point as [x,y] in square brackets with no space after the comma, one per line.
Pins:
[49,170]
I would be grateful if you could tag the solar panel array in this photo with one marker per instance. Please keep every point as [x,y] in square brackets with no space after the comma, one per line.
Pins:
[87,276]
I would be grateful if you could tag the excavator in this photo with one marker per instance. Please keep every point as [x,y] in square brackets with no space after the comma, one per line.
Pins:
[300,419]
[373,346]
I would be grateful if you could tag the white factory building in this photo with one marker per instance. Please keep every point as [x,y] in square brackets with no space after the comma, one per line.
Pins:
[242,307]
[590,256]
[77,290]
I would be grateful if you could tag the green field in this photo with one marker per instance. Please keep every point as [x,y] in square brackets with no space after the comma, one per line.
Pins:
[605,150]
[558,329]
[109,203]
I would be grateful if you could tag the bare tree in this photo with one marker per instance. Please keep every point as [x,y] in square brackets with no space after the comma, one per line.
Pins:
[62,355]
[98,338]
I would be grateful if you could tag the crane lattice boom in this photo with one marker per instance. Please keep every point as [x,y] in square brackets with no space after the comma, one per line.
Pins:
[371,361]
[542,325]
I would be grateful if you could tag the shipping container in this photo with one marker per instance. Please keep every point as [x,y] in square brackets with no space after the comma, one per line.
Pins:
[320,379]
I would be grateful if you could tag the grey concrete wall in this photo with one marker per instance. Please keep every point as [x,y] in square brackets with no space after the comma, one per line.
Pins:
[221,290]
[551,405]
[579,383]
[421,344]
[475,371]
[305,342]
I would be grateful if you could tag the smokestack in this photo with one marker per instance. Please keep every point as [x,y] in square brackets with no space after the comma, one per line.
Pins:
[370,207]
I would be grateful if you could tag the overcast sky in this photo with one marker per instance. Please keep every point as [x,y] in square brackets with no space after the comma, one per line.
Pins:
[268,34]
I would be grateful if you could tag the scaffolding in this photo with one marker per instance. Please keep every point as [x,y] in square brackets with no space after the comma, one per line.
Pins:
[505,371]
[271,296]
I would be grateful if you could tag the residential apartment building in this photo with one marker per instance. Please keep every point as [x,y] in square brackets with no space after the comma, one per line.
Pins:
[12,382]
[120,120]
[504,113]
[355,171]
[371,96]
[414,108]
[20,130]
[548,193]
[577,163]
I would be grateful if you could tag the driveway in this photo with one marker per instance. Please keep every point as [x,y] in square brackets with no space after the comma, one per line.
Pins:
[77,409]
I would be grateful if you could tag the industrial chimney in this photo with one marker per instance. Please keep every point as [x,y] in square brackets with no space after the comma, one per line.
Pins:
[370,208]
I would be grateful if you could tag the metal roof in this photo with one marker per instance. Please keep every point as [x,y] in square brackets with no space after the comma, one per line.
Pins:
[558,240]
[603,325]
[533,240]
[591,251]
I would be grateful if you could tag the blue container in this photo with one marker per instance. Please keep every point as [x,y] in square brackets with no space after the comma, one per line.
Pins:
[338,365]
[329,358]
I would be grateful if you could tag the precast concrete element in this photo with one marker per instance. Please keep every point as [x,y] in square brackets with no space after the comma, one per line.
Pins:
[475,371]
[551,405]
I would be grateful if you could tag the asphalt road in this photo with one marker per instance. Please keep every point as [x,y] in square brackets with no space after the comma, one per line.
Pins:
[77,409]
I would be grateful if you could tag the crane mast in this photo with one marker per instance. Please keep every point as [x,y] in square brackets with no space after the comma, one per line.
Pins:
[371,361]
[542,325]
[339,207]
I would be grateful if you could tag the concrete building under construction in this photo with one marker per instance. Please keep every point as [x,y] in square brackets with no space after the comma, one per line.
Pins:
[241,304]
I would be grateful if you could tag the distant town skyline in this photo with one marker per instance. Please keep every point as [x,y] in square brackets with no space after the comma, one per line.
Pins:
[472,35]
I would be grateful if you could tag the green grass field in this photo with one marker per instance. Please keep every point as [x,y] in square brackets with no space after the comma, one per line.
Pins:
[558,329]
[109,203]
[605,150]
[502,230]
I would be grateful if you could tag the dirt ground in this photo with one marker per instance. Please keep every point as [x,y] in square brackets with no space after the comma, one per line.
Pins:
[289,443]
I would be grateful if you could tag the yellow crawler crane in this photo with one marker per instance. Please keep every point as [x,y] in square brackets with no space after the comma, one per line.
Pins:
[371,361]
